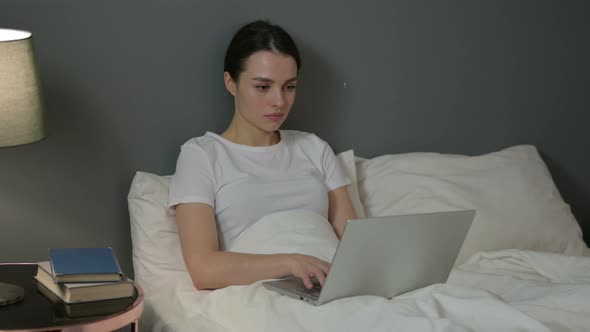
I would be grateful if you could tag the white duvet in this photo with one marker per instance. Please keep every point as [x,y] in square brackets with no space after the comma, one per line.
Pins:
[508,290]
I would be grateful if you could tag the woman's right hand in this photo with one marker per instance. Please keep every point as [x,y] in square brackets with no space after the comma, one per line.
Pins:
[305,267]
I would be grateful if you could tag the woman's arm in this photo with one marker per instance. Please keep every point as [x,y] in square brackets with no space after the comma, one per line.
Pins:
[340,209]
[211,268]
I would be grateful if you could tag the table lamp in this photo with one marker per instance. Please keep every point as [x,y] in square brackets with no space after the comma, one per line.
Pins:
[21,109]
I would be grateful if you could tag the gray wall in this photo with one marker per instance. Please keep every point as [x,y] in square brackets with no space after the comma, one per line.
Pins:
[127,82]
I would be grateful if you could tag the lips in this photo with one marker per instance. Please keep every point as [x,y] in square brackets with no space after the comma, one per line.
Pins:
[275,116]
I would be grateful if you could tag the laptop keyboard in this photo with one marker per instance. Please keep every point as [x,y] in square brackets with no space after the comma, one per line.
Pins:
[296,286]
[313,292]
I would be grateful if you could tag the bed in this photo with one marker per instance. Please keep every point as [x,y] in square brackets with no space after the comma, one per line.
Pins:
[523,266]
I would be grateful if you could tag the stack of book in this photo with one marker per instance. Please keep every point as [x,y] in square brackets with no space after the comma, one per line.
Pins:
[72,312]
[77,275]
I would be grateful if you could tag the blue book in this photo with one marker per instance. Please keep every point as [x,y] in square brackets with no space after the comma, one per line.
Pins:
[84,265]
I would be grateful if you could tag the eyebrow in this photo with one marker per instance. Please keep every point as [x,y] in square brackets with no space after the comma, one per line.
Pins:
[268,80]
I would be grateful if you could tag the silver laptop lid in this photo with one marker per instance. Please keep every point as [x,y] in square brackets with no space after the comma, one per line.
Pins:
[388,256]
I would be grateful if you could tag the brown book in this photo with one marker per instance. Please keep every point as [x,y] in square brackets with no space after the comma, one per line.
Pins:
[83,292]
[68,311]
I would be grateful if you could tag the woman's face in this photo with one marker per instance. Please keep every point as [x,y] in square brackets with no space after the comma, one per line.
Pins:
[265,91]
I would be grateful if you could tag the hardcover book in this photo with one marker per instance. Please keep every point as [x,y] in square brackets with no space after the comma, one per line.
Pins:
[84,265]
[67,312]
[83,292]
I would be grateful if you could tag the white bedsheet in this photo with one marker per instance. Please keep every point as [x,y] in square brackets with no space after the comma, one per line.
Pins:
[508,290]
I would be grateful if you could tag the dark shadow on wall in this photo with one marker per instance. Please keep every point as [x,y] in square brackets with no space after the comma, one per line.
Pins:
[572,193]
[70,176]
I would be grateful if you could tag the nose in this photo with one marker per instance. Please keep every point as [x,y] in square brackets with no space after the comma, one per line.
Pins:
[278,99]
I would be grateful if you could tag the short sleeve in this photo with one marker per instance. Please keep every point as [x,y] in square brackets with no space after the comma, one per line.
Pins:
[193,181]
[335,177]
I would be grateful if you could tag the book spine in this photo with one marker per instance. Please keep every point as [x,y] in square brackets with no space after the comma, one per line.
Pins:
[52,272]
[116,261]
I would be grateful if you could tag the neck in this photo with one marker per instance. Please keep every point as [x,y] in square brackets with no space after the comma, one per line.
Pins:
[247,134]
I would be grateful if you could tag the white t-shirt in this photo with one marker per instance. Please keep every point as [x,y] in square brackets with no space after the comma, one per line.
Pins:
[244,183]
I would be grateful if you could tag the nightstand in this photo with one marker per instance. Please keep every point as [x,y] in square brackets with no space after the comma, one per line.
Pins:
[39,312]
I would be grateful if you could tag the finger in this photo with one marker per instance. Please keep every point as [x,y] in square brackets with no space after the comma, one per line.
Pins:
[319,275]
[307,282]
[321,278]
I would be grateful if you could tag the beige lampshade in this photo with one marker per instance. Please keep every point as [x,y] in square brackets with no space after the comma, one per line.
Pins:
[21,108]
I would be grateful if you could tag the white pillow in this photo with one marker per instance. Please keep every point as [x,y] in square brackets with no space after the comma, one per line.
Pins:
[154,235]
[156,247]
[347,161]
[517,203]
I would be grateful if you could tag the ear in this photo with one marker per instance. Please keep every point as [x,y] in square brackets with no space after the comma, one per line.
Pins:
[230,85]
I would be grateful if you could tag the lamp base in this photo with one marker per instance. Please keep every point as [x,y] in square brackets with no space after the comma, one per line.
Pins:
[10,294]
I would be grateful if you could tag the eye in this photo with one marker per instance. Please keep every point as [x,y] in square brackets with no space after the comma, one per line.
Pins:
[290,87]
[262,87]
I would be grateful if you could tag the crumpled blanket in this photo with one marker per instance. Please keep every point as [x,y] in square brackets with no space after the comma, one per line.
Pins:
[508,290]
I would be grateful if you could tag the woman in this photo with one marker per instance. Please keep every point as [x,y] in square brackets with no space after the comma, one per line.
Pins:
[224,183]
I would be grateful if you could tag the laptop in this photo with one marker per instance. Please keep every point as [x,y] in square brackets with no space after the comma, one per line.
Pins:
[387,256]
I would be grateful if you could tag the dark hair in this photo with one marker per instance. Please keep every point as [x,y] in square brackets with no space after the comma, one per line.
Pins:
[257,36]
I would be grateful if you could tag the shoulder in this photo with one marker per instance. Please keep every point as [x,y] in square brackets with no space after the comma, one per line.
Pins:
[200,150]
[206,144]
[201,142]
[303,138]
